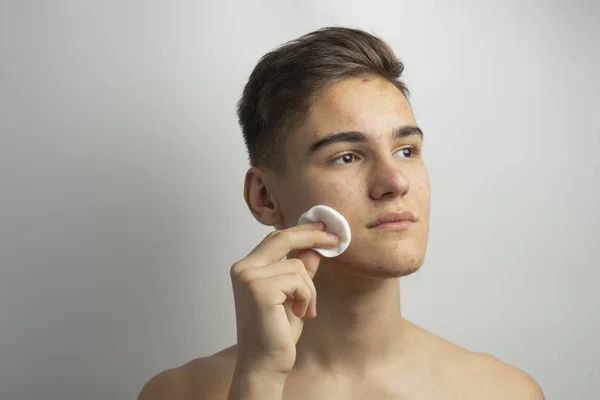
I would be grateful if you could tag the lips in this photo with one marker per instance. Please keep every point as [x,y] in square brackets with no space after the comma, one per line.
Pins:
[393,217]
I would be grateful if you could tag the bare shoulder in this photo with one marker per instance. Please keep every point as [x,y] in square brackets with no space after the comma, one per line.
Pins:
[471,374]
[496,379]
[202,378]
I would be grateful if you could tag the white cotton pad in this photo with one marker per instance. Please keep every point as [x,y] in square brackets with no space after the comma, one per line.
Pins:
[334,223]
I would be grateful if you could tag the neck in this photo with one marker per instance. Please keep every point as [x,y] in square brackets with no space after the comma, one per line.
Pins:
[358,322]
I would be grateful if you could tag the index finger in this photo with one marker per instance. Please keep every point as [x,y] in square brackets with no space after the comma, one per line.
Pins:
[280,243]
[314,225]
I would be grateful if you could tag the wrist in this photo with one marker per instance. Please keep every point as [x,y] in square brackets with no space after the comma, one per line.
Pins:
[252,384]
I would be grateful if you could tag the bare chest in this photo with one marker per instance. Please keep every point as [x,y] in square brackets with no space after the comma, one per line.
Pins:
[404,388]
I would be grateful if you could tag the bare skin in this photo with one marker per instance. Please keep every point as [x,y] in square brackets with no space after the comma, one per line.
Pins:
[442,371]
[351,343]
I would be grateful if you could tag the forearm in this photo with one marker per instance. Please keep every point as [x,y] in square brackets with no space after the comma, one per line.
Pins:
[253,385]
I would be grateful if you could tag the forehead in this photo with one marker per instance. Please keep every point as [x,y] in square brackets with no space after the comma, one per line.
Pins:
[371,105]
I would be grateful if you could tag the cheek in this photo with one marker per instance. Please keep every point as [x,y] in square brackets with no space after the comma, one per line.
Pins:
[422,190]
[421,193]
[305,194]
[336,194]
[339,194]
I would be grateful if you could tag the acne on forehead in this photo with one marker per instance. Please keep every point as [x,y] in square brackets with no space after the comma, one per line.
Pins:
[330,111]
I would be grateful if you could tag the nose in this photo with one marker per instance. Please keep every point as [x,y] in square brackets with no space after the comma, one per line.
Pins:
[388,180]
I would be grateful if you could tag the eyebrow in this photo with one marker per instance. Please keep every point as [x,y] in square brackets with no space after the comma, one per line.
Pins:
[360,137]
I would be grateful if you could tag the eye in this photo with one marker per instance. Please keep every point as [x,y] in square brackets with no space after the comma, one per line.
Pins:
[346,159]
[409,151]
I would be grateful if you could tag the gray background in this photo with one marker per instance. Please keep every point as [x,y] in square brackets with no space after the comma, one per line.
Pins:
[122,165]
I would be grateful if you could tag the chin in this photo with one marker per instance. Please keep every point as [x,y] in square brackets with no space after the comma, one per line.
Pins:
[384,256]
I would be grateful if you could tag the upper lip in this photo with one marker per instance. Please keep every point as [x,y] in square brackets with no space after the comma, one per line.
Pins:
[393,217]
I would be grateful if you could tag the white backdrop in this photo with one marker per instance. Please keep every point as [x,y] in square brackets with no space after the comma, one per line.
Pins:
[122,165]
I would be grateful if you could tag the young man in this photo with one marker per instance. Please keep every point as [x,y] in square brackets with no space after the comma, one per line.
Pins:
[326,121]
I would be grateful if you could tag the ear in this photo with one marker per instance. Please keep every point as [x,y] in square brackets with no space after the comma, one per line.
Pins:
[260,197]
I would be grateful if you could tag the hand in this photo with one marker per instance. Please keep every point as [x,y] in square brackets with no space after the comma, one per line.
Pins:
[273,296]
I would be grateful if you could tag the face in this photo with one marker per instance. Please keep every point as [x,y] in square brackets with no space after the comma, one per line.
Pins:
[375,168]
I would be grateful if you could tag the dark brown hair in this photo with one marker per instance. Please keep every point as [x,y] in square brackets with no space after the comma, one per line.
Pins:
[287,80]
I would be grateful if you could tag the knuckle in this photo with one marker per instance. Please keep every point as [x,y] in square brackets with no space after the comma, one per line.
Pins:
[297,265]
[236,269]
